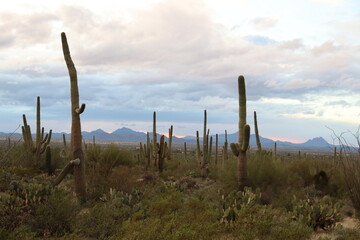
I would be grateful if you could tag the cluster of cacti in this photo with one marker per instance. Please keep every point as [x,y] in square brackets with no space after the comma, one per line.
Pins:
[156,151]
[129,199]
[204,155]
[41,140]
[30,191]
[239,149]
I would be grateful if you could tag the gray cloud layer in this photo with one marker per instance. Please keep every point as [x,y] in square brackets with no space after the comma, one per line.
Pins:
[170,57]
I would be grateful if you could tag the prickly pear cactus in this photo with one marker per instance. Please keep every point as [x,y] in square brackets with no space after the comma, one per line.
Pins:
[317,213]
[236,201]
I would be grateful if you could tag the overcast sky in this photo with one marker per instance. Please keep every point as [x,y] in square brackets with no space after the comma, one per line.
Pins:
[300,59]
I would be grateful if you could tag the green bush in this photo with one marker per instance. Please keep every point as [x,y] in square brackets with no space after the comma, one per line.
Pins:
[266,223]
[56,216]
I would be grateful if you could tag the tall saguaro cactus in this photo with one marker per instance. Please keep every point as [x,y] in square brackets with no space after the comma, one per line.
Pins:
[76,110]
[171,130]
[41,141]
[225,148]
[154,142]
[239,149]
[258,143]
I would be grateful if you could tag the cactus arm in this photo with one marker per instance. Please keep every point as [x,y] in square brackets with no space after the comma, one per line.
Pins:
[257,132]
[81,109]
[235,149]
[242,107]
[246,138]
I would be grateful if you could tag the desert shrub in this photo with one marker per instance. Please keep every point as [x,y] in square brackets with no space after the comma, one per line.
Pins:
[101,163]
[21,232]
[347,233]
[105,218]
[56,216]
[124,178]
[265,172]
[266,223]
[317,213]
[173,217]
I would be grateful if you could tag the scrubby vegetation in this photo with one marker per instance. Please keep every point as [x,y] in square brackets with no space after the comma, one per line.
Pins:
[283,199]
[157,193]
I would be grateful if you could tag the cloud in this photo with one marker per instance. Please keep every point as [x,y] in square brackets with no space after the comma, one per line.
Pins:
[264,23]
[339,102]
[333,3]
[26,29]
[173,57]
[260,40]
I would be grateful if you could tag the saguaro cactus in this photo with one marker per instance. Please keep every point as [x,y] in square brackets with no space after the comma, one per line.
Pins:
[171,129]
[216,148]
[154,142]
[41,141]
[162,153]
[258,143]
[225,148]
[239,149]
[204,155]
[76,138]
[185,153]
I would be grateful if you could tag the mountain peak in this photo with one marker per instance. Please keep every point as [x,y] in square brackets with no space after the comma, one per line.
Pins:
[99,130]
[123,130]
[316,142]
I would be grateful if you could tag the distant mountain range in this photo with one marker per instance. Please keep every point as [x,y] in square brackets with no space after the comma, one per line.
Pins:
[129,135]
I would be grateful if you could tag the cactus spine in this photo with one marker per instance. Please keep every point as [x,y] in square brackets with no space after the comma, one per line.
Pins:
[239,149]
[258,143]
[76,138]
[41,142]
